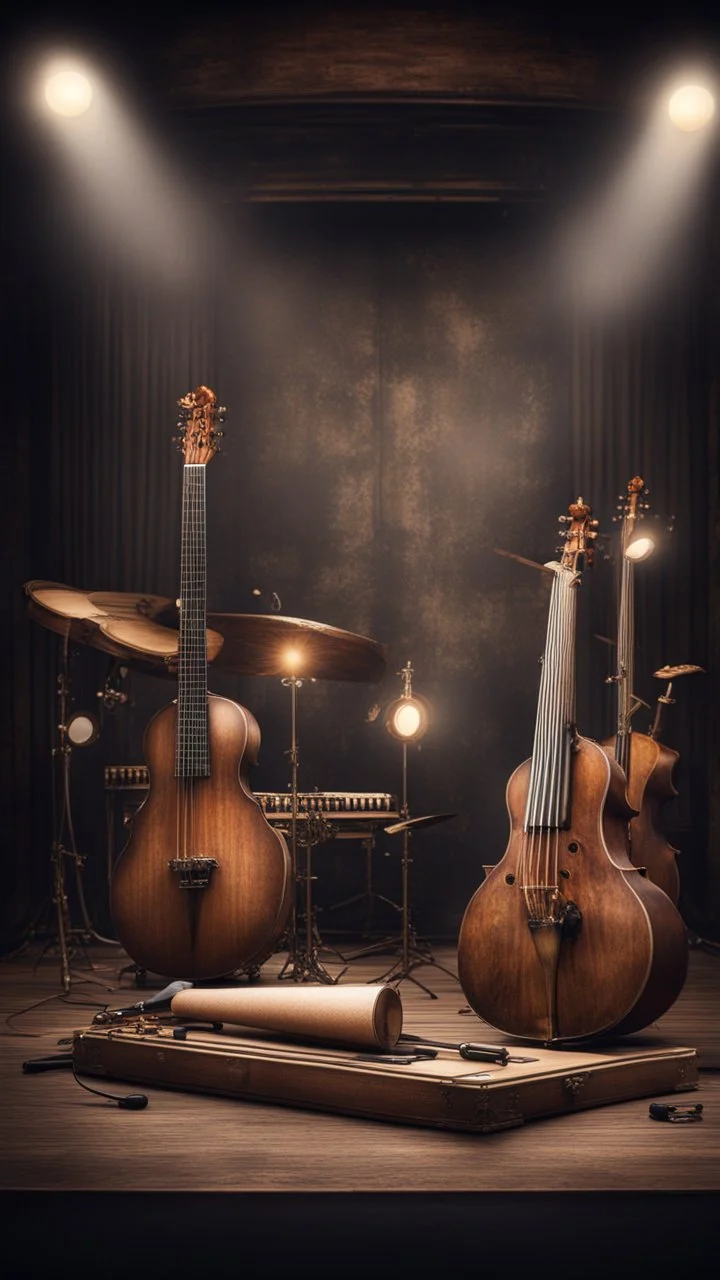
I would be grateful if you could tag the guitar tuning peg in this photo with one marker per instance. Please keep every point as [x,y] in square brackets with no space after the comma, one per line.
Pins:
[222,409]
[646,492]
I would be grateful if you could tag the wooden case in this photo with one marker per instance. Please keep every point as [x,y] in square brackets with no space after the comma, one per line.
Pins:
[447,1092]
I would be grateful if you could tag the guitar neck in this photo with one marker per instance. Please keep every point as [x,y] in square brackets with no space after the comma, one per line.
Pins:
[192,756]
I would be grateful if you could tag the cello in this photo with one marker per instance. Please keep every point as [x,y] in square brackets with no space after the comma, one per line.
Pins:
[565,940]
[648,765]
[203,886]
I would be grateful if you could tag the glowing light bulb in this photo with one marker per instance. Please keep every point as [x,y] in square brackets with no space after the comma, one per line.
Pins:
[292,660]
[68,92]
[640,549]
[690,107]
[407,720]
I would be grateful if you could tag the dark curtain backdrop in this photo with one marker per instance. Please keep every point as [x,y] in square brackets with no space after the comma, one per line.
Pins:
[403,397]
[641,382]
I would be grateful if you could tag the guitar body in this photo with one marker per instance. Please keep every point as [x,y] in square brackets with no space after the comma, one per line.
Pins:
[624,965]
[235,921]
[649,786]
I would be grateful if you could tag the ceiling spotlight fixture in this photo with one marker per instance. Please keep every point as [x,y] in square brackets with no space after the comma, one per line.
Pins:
[691,107]
[408,717]
[68,92]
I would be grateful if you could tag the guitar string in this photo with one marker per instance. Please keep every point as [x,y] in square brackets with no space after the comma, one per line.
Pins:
[549,778]
[192,758]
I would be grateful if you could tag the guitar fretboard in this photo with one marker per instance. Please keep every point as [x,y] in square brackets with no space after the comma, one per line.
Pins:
[191,752]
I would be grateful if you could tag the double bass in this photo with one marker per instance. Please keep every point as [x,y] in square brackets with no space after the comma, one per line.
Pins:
[648,765]
[203,885]
[565,940]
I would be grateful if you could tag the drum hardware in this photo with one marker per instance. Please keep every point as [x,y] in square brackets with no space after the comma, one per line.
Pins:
[302,964]
[407,719]
[665,699]
[63,847]
[369,895]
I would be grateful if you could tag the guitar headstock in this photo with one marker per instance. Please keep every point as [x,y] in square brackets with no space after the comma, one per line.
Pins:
[579,535]
[199,416]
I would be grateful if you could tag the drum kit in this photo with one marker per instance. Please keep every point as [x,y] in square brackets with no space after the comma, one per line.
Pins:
[141,631]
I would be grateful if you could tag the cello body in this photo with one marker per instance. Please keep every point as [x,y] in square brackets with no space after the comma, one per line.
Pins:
[619,969]
[566,940]
[649,786]
[196,933]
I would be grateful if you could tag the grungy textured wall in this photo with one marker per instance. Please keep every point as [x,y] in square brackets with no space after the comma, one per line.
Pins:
[396,413]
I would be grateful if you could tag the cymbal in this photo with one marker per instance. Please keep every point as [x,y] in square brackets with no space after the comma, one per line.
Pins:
[120,623]
[427,821]
[259,644]
[683,669]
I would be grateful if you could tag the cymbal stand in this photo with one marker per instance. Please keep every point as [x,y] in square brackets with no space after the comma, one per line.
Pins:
[67,933]
[414,952]
[302,964]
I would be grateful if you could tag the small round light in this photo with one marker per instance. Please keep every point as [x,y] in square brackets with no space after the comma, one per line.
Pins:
[639,549]
[82,729]
[68,93]
[408,718]
[690,107]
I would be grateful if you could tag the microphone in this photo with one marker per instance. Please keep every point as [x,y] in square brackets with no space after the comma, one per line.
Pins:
[161,1000]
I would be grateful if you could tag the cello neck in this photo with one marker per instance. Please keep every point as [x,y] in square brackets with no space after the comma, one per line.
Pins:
[625,663]
[548,802]
[624,676]
[192,756]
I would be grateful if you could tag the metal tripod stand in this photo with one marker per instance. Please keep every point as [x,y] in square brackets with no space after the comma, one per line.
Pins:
[303,963]
[67,935]
[414,952]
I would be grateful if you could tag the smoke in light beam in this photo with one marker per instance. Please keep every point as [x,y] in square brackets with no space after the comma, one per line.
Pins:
[622,247]
[122,186]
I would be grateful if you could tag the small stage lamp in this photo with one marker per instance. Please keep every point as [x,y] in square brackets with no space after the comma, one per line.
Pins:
[408,717]
[82,729]
[639,548]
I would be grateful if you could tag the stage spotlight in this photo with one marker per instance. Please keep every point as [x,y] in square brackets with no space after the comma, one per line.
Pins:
[82,729]
[691,107]
[68,92]
[408,717]
[640,548]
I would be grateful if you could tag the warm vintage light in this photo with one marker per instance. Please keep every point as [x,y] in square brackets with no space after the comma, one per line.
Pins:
[691,107]
[292,660]
[68,92]
[640,549]
[408,718]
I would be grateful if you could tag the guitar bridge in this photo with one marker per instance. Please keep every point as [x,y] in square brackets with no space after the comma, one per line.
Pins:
[193,873]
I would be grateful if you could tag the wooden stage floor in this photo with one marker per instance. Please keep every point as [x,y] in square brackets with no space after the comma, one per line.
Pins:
[324,1178]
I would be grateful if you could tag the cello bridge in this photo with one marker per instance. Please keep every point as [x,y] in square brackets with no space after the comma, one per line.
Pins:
[193,873]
